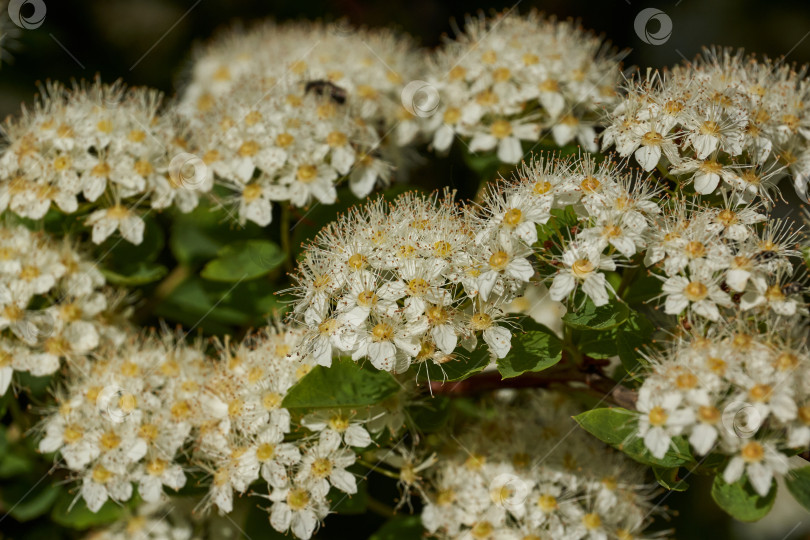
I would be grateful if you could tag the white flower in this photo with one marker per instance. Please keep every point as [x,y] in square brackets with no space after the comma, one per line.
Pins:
[506,136]
[116,218]
[582,262]
[325,463]
[759,461]
[662,418]
[700,293]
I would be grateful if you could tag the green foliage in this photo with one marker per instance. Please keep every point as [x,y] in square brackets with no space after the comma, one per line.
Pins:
[617,427]
[798,483]
[670,478]
[244,260]
[400,528]
[71,511]
[350,504]
[740,500]
[535,349]
[631,337]
[345,384]
[198,236]
[216,307]
[138,273]
[590,317]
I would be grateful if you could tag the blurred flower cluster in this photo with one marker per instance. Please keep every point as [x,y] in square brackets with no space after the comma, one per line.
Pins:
[508,477]
[512,78]
[53,305]
[97,149]
[738,389]
[156,410]
[724,121]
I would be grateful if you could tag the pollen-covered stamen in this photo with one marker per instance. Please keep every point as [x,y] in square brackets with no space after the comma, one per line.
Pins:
[321,467]
[752,452]
[501,129]
[590,184]
[695,249]
[480,321]
[652,138]
[513,217]
[382,332]
[251,192]
[708,414]
[499,260]
[265,452]
[582,268]
[657,416]
[306,173]
[418,287]
[367,298]
[298,499]
[695,291]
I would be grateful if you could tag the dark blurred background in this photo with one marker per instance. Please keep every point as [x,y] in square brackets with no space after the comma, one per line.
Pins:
[149,42]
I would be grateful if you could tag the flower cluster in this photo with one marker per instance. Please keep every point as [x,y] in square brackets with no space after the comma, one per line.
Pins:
[724,119]
[363,68]
[403,282]
[275,142]
[716,258]
[52,305]
[150,522]
[736,389]
[594,214]
[95,147]
[157,408]
[508,78]
[509,478]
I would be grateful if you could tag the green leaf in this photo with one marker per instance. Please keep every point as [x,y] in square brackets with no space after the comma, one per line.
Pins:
[36,503]
[596,343]
[257,524]
[115,252]
[432,414]
[79,516]
[617,427]
[562,219]
[740,500]
[643,288]
[669,478]
[798,483]
[341,503]
[246,259]
[215,306]
[400,528]
[630,337]
[345,384]
[460,368]
[139,273]
[536,349]
[14,464]
[590,317]
[197,236]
